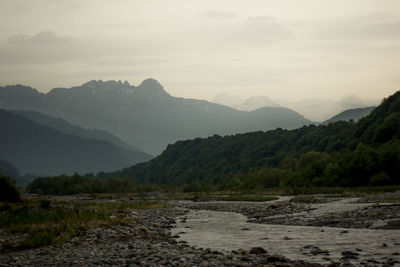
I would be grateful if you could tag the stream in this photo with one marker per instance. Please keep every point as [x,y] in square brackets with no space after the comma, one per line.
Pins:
[226,231]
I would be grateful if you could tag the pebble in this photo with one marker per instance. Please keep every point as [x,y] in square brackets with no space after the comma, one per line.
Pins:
[146,241]
[143,241]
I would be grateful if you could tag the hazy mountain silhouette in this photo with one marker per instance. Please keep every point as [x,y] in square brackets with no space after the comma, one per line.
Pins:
[37,149]
[68,128]
[319,109]
[215,159]
[7,169]
[256,102]
[351,114]
[248,104]
[145,116]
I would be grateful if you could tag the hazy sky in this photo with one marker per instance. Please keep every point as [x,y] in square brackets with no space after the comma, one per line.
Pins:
[278,48]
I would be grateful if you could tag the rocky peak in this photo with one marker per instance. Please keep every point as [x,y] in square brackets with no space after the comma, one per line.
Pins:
[150,88]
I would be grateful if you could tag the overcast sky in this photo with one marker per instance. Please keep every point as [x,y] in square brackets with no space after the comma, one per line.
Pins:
[282,49]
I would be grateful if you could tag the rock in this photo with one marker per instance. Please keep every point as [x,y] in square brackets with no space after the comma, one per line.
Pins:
[350,255]
[257,250]
[276,258]
[318,251]
[372,260]
[392,261]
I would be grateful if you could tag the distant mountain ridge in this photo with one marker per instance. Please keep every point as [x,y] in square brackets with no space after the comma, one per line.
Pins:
[368,150]
[41,150]
[68,128]
[248,104]
[351,114]
[145,116]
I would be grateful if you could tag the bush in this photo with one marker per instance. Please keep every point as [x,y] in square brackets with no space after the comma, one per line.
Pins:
[45,204]
[379,179]
[194,186]
[8,191]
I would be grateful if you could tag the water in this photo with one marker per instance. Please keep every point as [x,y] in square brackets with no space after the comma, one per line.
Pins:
[226,231]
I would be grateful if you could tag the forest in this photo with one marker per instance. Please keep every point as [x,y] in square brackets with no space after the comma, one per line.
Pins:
[340,154]
[337,154]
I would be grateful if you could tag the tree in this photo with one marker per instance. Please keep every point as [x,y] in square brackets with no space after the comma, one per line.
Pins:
[8,191]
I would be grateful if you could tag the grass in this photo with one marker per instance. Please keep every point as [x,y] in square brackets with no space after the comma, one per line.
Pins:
[222,196]
[385,199]
[307,199]
[46,222]
[333,191]
[254,198]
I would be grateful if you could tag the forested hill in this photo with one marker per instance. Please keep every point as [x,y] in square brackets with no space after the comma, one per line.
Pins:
[351,114]
[340,153]
[37,149]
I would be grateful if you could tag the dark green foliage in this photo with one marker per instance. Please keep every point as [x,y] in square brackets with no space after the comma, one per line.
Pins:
[8,191]
[71,185]
[43,226]
[195,186]
[45,204]
[338,154]
[39,239]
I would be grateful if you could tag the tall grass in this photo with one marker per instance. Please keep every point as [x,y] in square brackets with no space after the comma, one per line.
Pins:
[55,221]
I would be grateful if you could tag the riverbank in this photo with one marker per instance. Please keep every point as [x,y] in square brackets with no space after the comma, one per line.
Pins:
[158,237]
[144,240]
[344,231]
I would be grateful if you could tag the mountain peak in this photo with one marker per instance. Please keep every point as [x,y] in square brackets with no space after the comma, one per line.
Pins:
[151,84]
[151,87]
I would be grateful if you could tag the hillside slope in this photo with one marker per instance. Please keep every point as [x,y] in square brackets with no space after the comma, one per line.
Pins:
[37,149]
[351,114]
[145,116]
[347,153]
[68,128]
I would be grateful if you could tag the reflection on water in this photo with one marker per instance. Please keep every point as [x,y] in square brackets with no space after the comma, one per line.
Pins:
[226,231]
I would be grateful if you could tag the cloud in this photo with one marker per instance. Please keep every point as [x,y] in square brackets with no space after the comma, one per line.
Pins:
[41,38]
[353,101]
[42,48]
[219,14]
[259,31]
[367,27]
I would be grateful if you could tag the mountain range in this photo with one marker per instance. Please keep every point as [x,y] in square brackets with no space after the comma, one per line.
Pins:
[146,116]
[248,104]
[33,147]
[337,154]
[316,109]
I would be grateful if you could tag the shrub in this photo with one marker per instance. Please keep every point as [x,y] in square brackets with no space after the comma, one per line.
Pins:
[8,191]
[45,204]
[379,179]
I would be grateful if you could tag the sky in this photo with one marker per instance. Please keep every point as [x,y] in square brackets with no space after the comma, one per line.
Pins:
[282,49]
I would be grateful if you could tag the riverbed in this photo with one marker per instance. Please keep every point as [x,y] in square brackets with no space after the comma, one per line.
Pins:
[227,231]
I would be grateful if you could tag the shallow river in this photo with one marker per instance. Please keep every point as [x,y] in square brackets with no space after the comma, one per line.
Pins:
[226,231]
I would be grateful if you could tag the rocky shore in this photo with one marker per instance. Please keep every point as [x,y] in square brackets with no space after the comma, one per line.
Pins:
[341,231]
[343,213]
[146,239]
